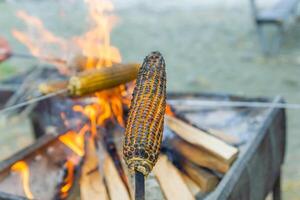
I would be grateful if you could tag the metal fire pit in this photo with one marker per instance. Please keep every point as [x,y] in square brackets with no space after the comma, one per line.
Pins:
[261,133]
[257,170]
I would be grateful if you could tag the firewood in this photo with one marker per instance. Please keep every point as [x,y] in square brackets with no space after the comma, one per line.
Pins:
[198,155]
[118,136]
[203,178]
[201,139]
[171,181]
[116,188]
[230,139]
[193,187]
[91,181]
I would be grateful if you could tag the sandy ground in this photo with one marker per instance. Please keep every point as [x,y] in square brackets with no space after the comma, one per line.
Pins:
[208,46]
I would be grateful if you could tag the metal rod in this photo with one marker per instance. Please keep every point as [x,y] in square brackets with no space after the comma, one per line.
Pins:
[199,104]
[188,105]
[31,101]
[139,185]
[32,57]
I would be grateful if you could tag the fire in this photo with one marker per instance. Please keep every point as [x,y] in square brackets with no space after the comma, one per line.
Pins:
[22,168]
[169,110]
[96,49]
[68,181]
[41,42]
[95,43]
[75,141]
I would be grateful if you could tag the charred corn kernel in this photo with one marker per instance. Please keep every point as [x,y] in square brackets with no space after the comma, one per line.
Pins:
[103,78]
[144,127]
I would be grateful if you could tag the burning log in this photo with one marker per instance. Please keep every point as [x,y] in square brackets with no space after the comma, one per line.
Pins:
[171,181]
[46,156]
[203,178]
[144,128]
[194,136]
[95,80]
[91,181]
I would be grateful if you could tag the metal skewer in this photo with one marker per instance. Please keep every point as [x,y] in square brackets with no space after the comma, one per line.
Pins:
[139,185]
[31,57]
[195,105]
[31,101]
[200,104]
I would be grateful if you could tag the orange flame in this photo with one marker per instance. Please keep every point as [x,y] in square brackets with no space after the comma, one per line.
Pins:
[95,44]
[169,110]
[75,141]
[22,168]
[68,181]
[97,51]
[41,42]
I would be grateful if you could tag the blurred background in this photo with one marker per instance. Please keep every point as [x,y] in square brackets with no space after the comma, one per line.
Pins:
[208,45]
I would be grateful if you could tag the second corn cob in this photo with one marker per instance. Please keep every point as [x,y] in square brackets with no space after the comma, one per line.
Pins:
[103,78]
[95,80]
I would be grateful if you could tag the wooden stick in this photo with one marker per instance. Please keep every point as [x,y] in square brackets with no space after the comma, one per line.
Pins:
[91,181]
[171,181]
[203,178]
[198,155]
[201,139]
[116,188]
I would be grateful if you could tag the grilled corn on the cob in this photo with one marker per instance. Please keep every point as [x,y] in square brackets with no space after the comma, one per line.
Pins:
[144,128]
[94,80]
[103,78]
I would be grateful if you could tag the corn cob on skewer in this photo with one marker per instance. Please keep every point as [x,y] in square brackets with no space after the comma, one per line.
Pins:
[144,128]
[94,80]
[103,78]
